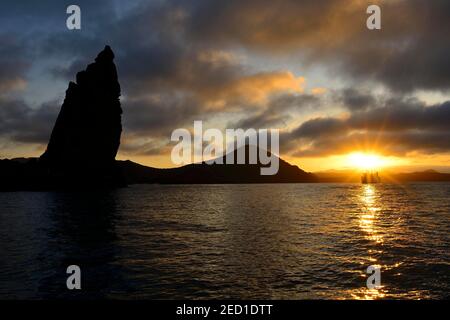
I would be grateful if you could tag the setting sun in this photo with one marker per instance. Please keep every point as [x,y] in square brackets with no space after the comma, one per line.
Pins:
[366,161]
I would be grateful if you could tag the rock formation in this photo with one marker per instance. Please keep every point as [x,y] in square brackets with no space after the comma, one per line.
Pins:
[86,136]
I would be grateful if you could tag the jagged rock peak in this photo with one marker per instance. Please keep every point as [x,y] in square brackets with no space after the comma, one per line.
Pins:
[88,128]
[106,55]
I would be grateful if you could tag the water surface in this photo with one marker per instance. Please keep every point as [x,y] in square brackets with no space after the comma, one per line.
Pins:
[283,241]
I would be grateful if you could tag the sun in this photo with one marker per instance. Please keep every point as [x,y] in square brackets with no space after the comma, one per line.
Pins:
[366,161]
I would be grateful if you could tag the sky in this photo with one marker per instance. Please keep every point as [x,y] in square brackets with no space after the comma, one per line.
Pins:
[311,69]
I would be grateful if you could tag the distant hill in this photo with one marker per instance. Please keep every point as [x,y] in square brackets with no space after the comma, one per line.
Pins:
[214,173]
[387,177]
[428,175]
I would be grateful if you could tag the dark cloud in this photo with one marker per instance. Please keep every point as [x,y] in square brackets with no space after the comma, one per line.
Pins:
[410,52]
[20,123]
[13,64]
[279,110]
[155,58]
[400,127]
[159,115]
[262,120]
[356,100]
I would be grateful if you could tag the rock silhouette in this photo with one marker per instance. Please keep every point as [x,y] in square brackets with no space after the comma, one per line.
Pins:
[89,123]
[86,136]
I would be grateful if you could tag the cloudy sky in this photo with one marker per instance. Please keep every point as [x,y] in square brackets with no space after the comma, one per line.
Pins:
[309,68]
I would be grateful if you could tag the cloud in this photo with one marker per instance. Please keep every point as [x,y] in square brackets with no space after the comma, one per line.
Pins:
[278,111]
[161,58]
[13,64]
[22,124]
[262,120]
[399,127]
[255,88]
[410,52]
[159,115]
[356,100]
[318,90]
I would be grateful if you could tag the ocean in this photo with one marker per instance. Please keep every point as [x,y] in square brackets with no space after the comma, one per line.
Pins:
[261,241]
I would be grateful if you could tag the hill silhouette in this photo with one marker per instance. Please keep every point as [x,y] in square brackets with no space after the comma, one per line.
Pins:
[338,176]
[202,173]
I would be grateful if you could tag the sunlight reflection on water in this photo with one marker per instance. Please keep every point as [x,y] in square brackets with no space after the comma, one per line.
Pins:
[287,241]
[371,208]
[368,223]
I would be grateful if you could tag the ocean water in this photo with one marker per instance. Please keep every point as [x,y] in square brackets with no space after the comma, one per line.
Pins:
[283,241]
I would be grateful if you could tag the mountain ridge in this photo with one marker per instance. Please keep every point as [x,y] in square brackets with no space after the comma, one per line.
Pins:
[203,173]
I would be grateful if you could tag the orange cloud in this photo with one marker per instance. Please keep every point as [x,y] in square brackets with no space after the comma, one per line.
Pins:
[318,91]
[255,88]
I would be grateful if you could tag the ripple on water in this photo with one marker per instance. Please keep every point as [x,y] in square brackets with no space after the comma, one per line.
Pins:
[287,241]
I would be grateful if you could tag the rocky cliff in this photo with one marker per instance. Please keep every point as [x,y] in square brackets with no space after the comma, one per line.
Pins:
[86,136]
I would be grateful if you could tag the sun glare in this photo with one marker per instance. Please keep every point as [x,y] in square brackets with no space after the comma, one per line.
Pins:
[366,161]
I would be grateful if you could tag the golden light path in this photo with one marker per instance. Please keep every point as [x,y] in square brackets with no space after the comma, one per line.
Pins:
[372,221]
[367,220]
